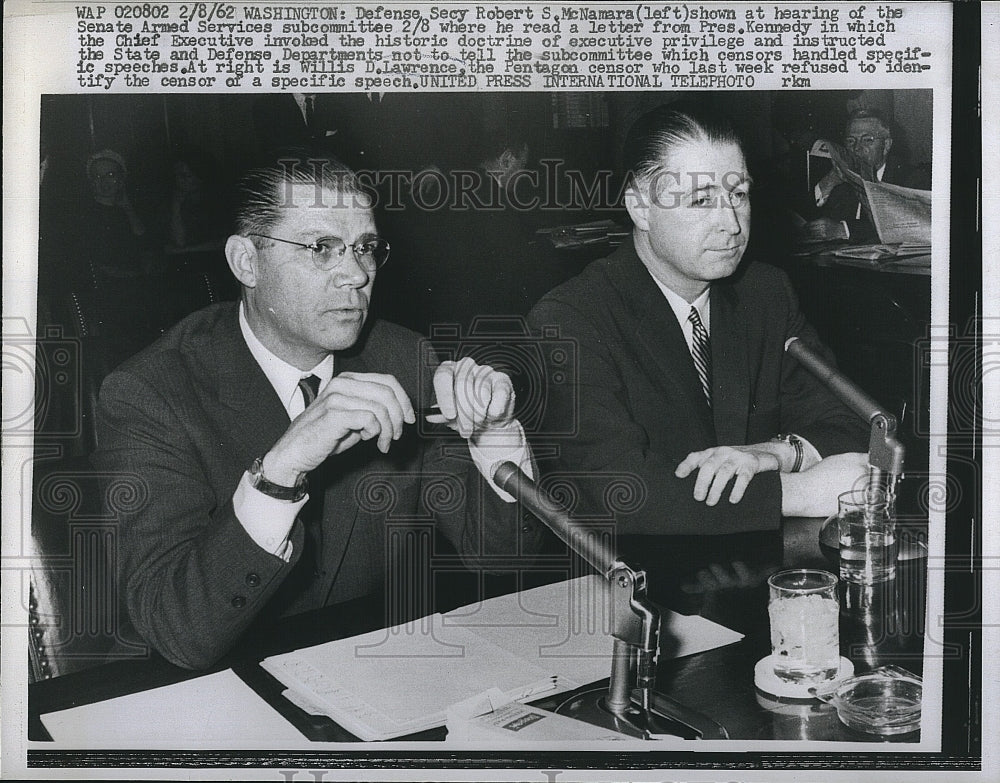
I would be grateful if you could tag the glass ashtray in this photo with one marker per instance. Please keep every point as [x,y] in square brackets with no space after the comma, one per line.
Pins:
[885,701]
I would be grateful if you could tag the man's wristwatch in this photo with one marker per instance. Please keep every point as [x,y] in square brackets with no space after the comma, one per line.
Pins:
[261,484]
[796,442]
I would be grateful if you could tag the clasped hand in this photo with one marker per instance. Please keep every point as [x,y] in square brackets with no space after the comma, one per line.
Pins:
[354,407]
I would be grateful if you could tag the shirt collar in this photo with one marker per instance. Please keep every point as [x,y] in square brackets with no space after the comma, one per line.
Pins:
[283,377]
[682,307]
[880,173]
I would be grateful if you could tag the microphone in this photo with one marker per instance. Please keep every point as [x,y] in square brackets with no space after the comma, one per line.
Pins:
[641,712]
[885,453]
[511,479]
[848,392]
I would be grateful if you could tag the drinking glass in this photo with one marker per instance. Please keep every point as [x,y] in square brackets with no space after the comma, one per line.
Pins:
[868,547]
[804,615]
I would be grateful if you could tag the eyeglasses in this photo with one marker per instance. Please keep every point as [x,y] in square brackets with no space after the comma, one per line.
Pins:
[867,140]
[328,252]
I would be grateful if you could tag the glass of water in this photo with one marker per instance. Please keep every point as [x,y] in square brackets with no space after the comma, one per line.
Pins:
[868,548]
[804,615]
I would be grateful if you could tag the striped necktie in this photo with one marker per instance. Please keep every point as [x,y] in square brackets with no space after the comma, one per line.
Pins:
[310,388]
[701,352]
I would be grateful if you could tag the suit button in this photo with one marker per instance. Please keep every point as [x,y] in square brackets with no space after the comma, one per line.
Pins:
[238,601]
[252,580]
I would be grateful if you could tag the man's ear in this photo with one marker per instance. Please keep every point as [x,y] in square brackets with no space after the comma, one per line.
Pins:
[888,146]
[241,254]
[637,204]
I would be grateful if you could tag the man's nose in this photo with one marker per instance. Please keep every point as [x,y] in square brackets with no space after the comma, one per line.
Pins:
[729,218]
[351,271]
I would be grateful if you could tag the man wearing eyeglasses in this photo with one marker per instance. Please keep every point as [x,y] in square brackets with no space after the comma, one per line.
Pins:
[277,438]
[869,138]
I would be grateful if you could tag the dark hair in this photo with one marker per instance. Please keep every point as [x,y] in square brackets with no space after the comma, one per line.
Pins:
[261,193]
[869,114]
[655,135]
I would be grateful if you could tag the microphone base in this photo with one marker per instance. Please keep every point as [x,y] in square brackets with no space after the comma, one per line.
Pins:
[670,717]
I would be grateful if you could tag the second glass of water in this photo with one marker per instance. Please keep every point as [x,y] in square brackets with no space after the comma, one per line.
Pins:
[868,548]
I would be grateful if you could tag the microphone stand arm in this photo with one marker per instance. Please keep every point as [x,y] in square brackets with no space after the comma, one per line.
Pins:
[886,454]
[631,700]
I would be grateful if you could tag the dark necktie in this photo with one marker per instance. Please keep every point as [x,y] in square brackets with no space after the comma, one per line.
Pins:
[701,352]
[310,388]
[312,512]
[310,113]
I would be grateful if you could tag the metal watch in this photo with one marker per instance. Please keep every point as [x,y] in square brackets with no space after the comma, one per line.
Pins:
[796,443]
[277,491]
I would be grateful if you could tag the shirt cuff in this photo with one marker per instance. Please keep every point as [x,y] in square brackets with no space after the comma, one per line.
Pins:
[501,444]
[268,521]
[820,198]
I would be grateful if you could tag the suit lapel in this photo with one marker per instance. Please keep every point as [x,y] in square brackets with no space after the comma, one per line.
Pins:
[659,334]
[730,373]
[254,417]
[340,507]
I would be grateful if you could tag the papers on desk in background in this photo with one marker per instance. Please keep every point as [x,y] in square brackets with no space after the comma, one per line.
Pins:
[882,253]
[583,234]
[215,708]
[402,680]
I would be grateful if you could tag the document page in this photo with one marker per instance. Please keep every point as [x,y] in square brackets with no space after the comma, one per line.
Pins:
[218,707]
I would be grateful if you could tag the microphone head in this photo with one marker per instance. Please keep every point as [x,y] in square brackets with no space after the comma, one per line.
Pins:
[789,341]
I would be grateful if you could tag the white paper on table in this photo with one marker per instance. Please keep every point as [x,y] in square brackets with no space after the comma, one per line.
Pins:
[565,627]
[215,708]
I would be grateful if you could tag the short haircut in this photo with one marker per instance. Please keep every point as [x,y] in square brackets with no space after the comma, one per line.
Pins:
[262,191]
[111,155]
[655,135]
[869,114]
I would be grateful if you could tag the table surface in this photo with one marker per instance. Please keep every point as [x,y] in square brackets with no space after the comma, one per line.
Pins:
[719,682]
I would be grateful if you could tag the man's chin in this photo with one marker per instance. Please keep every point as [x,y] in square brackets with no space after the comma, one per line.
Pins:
[345,330]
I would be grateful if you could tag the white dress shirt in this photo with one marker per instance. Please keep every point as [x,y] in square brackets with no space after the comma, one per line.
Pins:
[681,308]
[268,521]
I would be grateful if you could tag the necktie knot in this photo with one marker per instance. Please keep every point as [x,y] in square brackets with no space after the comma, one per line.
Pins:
[310,388]
[701,352]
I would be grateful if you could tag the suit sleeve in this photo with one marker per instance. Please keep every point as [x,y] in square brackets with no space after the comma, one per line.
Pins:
[843,205]
[487,531]
[193,578]
[611,460]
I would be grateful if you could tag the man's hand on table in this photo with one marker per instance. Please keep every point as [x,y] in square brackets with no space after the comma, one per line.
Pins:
[720,464]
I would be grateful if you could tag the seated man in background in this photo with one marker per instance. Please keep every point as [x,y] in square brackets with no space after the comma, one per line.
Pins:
[276,436]
[869,138]
[684,384]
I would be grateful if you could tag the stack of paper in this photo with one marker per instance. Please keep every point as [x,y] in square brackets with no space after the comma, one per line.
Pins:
[401,680]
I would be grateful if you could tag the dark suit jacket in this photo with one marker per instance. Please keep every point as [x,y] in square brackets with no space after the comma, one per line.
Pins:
[190,414]
[843,201]
[278,122]
[639,406]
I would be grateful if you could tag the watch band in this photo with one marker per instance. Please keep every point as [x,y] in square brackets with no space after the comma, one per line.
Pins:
[796,443]
[277,491]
